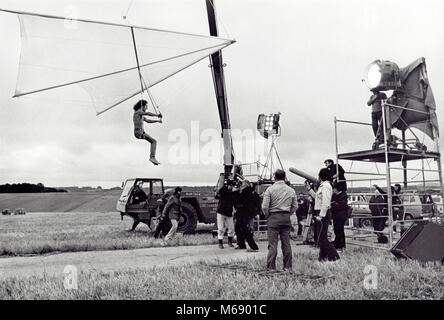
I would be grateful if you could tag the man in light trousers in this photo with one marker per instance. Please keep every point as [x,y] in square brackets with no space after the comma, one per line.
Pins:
[173,209]
[225,215]
[278,204]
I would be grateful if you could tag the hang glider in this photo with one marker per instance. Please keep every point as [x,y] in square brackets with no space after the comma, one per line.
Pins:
[112,62]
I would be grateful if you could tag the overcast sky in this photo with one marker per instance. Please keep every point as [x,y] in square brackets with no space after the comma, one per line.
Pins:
[304,59]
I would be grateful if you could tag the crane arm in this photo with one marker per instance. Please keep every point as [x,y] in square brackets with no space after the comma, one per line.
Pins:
[217,70]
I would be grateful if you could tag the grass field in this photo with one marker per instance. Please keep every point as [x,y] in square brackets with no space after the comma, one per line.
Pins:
[40,233]
[396,279]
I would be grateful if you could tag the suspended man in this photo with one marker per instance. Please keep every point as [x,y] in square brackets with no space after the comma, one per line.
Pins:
[138,119]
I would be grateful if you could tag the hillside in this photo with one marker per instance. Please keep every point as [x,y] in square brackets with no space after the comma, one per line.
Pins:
[80,201]
[96,201]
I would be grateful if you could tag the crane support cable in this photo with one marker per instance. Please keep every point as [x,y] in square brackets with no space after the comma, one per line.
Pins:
[143,85]
[137,59]
[150,95]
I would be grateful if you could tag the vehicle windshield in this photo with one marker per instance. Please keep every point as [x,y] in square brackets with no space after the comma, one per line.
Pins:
[127,188]
[145,186]
[157,187]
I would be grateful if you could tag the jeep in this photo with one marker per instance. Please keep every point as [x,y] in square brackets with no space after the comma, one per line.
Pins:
[197,206]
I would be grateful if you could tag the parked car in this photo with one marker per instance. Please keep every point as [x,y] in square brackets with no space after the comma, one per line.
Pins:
[6,212]
[358,201]
[19,211]
[437,199]
[417,205]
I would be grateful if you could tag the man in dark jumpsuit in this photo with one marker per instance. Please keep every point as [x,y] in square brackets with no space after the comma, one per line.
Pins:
[376,102]
[164,225]
[301,211]
[138,196]
[248,205]
[339,213]
[336,177]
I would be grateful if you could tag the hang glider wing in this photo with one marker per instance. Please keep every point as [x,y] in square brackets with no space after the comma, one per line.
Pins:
[100,57]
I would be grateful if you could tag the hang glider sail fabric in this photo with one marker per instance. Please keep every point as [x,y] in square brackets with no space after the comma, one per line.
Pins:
[101,57]
[415,93]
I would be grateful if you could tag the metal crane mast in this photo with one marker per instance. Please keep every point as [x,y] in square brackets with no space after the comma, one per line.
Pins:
[217,69]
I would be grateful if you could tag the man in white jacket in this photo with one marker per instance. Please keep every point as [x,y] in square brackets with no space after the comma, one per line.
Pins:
[323,215]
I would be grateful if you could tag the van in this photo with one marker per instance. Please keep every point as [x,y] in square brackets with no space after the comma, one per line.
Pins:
[437,200]
[358,201]
[418,206]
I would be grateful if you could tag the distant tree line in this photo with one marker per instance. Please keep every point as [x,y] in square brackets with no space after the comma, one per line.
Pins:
[27,188]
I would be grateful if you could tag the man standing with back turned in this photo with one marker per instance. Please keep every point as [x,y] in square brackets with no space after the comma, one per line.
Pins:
[279,204]
[376,102]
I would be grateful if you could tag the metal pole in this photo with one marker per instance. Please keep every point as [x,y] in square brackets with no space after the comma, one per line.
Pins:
[388,177]
[354,122]
[220,46]
[271,157]
[137,59]
[438,161]
[404,162]
[24,13]
[336,144]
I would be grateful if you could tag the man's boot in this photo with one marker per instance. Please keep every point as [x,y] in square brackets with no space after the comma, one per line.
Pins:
[221,245]
[230,241]
[154,161]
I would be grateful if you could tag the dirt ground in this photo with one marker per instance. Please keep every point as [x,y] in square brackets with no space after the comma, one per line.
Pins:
[128,259]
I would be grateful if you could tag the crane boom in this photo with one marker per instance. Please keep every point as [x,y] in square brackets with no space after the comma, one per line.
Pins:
[217,70]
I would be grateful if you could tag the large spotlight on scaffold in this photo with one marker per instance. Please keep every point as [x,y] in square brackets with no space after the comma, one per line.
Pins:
[412,102]
[268,125]
[382,75]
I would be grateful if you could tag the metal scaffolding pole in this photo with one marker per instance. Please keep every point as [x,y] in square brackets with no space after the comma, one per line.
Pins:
[389,155]
[385,119]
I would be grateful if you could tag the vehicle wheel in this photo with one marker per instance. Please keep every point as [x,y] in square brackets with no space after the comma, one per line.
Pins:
[187,219]
[408,216]
[365,223]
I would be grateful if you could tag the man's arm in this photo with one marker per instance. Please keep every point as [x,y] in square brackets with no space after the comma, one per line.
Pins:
[326,201]
[266,203]
[294,204]
[310,190]
[257,202]
[372,99]
[379,189]
[147,113]
[150,121]
[167,206]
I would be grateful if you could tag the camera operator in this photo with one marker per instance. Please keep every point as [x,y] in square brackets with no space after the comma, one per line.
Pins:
[339,214]
[301,211]
[248,205]
[323,197]
[225,213]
